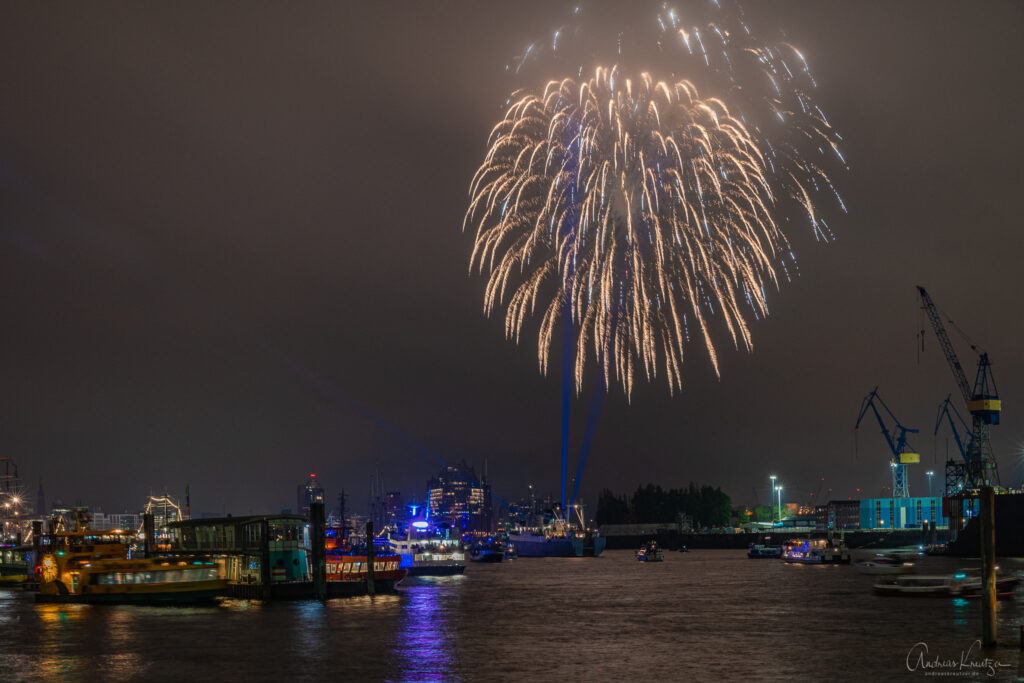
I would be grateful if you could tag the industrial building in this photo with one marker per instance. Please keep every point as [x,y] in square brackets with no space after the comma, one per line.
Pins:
[901,513]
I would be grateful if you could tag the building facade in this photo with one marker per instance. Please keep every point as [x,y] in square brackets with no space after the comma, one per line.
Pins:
[901,513]
[838,514]
[310,492]
[457,498]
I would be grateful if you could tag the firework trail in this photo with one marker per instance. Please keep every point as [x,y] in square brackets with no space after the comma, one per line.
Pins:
[637,211]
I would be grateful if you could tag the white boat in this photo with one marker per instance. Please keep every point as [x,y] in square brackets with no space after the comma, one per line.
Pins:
[959,585]
[883,564]
[429,556]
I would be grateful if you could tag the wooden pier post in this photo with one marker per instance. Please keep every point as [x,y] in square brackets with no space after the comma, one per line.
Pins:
[318,550]
[148,533]
[988,566]
[265,575]
[369,557]
[37,544]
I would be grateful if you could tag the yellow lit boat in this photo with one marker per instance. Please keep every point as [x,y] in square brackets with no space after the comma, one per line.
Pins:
[93,567]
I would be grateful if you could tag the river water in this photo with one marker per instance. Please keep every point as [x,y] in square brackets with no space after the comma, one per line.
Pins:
[709,615]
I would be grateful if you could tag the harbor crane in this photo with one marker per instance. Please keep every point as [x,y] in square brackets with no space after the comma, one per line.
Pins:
[902,453]
[979,467]
[947,410]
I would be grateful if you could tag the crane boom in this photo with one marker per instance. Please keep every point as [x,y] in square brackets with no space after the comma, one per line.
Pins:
[946,344]
[947,410]
[984,406]
[902,453]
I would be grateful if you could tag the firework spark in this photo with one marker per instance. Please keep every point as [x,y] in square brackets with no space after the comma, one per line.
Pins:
[634,211]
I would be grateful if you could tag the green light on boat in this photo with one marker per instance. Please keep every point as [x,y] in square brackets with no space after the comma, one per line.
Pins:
[960,576]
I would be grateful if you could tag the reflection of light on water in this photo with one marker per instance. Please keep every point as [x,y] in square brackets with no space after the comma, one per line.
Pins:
[57,638]
[58,615]
[960,611]
[424,651]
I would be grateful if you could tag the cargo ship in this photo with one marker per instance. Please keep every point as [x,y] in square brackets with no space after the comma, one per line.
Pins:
[556,541]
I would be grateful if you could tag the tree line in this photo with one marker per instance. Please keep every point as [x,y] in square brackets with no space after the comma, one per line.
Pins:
[705,505]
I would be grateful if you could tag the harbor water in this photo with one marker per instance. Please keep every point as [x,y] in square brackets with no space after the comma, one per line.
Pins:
[710,615]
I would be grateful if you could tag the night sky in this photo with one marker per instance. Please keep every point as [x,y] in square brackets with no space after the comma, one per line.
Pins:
[231,254]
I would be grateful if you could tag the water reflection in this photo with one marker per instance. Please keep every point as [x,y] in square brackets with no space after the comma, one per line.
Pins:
[425,651]
[60,615]
[960,606]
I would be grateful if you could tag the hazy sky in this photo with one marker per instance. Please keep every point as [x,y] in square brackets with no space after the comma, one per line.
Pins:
[231,254]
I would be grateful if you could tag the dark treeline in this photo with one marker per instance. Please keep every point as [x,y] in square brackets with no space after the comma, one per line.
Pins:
[705,505]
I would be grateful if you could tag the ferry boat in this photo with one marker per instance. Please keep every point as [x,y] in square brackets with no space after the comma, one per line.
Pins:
[14,565]
[429,557]
[349,574]
[94,567]
[815,551]
[650,552]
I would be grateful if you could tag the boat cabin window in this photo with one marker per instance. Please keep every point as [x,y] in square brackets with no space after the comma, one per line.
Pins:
[170,576]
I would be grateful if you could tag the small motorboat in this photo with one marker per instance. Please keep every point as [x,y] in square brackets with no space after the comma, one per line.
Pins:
[759,550]
[650,552]
[487,554]
[885,564]
[959,585]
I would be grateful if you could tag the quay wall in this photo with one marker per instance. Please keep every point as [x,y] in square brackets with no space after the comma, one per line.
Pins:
[1009,523]
[867,539]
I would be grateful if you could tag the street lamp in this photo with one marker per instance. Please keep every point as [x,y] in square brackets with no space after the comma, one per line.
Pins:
[772,492]
[779,489]
[930,475]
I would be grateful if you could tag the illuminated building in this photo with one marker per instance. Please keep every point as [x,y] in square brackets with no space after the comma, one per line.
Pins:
[310,492]
[456,497]
[394,510]
[838,514]
[901,513]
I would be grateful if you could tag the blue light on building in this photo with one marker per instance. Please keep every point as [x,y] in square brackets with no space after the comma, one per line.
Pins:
[901,513]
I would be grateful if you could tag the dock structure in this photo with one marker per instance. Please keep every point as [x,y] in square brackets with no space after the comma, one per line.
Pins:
[275,557]
[318,551]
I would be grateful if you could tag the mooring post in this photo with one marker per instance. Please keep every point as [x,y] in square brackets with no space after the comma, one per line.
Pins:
[369,557]
[148,532]
[265,574]
[37,544]
[318,550]
[988,566]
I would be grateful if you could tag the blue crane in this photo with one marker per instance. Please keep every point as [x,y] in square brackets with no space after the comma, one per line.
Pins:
[902,454]
[979,467]
[947,410]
